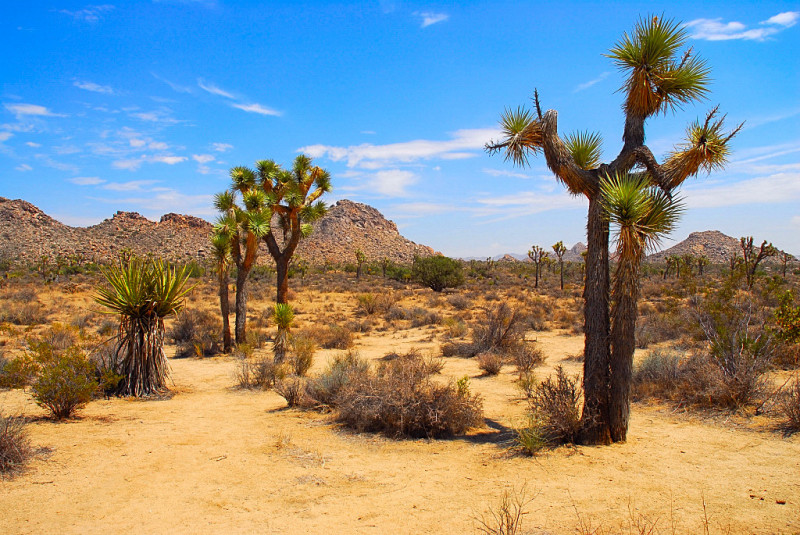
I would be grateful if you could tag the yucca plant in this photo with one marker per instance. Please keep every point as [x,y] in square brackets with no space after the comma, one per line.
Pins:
[283,316]
[142,293]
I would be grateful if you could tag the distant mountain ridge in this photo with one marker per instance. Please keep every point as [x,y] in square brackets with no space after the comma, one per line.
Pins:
[27,234]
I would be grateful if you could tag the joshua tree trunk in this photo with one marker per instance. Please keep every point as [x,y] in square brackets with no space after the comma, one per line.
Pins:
[561,269]
[241,306]
[623,339]
[282,267]
[224,308]
[595,417]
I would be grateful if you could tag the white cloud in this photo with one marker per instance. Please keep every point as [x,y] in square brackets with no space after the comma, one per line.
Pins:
[590,83]
[87,180]
[418,209]
[155,117]
[716,30]
[429,18]
[787,18]
[525,203]
[133,164]
[21,110]
[32,144]
[796,221]
[157,145]
[24,167]
[61,166]
[369,132]
[256,108]
[770,189]
[96,88]
[167,200]
[136,142]
[503,172]
[203,158]
[392,183]
[175,87]
[214,90]
[169,160]
[89,13]
[5,136]
[133,185]
[221,147]
[369,156]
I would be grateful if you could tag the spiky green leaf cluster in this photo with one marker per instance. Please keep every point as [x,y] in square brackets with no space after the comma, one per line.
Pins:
[585,148]
[658,78]
[140,288]
[522,135]
[283,316]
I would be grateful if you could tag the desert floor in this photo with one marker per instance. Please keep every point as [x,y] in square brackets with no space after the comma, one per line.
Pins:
[215,459]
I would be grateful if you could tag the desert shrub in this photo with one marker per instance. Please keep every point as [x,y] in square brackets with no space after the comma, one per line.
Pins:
[459,301]
[400,399]
[302,356]
[65,383]
[256,371]
[196,333]
[25,313]
[507,518]
[107,327]
[15,447]
[438,272]
[490,362]
[341,371]
[790,407]
[386,301]
[787,331]
[367,303]
[332,337]
[18,372]
[456,328]
[554,413]
[60,337]
[107,366]
[526,358]
[421,317]
[292,389]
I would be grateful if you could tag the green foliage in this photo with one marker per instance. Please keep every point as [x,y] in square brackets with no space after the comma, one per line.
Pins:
[283,316]
[787,320]
[18,372]
[65,383]
[302,356]
[585,148]
[438,272]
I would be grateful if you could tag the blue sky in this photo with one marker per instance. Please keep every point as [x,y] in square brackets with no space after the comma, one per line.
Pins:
[144,106]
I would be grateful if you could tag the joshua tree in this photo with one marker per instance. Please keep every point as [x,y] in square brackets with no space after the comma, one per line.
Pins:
[385,263]
[143,293]
[659,78]
[221,244]
[537,256]
[702,262]
[301,265]
[243,226]
[283,316]
[360,259]
[559,249]
[293,196]
[752,257]
[641,214]
[785,259]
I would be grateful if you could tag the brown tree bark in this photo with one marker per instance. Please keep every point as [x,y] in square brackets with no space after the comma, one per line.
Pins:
[623,345]
[224,308]
[240,322]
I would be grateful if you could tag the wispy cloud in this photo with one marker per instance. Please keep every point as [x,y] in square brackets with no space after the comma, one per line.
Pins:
[429,18]
[371,156]
[419,209]
[166,200]
[221,147]
[776,188]
[87,180]
[257,108]
[503,172]
[93,87]
[32,144]
[61,166]
[161,116]
[169,160]
[203,158]
[24,168]
[392,182]
[89,13]
[175,87]
[717,30]
[23,110]
[213,89]
[590,83]
[5,136]
[133,164]
[133,185]
[525,203]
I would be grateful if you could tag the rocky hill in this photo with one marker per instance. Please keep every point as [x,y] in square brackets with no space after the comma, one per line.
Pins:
[713,244]
[27,233]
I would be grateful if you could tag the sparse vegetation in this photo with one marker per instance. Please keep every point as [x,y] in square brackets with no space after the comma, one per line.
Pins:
[438,272]
[15,446]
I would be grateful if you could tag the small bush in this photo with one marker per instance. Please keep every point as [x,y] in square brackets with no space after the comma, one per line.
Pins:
[501,331]
[66,382]
[459,302]
[337,337]
[400,399]
[27,313]
[438,272]
[526,359]
[302,356]
[344,369]
[491,363]
[15,447]
[657,375]
[367,303]
[293,389]
[257,372]
[18,372]
[456,328]
[421,317]
[790,407]
[196,333]
[506,519]
[555,411]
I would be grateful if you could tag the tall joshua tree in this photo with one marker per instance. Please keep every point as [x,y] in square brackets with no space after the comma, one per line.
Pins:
[641,215]
[221,245]
[243,226]
[293,197]
[659,78]
[537,255]
[559,249]
[752,257]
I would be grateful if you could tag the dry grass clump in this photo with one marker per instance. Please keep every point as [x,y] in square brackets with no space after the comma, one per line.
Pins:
[401,399]
[256,371]
[790,407]
[554,413]
[293,389]
[490,362]
[344,369]
[301,357]
[196,333]
[15,447]
[507,518]
[332,336]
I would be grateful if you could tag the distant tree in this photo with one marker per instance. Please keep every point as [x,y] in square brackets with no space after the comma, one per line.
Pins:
[438,272]
[785,259]
[752,257]
[559,249]
[702,262]
[360,259]
[659,78]
[537,256]
[293,198]
[385,263]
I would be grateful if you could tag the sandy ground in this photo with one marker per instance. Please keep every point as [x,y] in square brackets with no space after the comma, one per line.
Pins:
[213,459]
